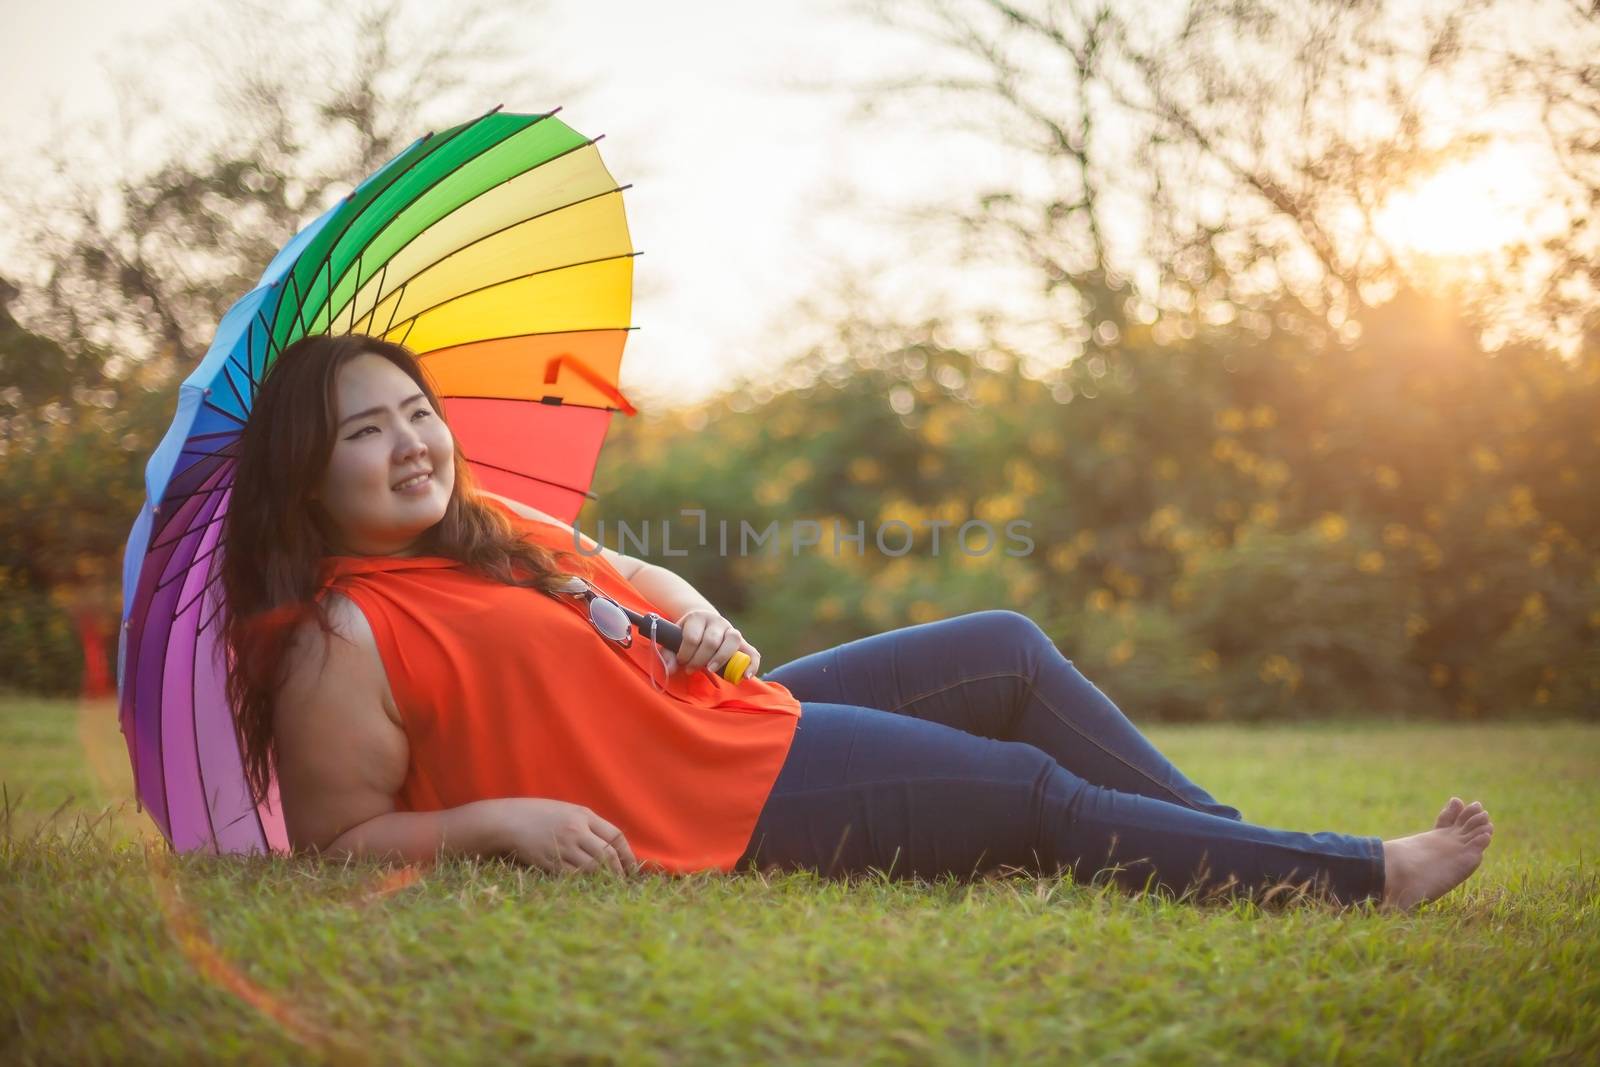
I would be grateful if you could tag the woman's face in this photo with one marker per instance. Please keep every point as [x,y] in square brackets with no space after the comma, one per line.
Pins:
[386,433]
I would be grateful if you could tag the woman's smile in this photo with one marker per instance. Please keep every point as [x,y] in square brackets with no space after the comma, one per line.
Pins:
[415,485]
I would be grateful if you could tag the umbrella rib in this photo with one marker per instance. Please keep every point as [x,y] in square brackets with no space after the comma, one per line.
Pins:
[174,540]
[400,296]
[249,373]
[210,581]
[351,303]
[299,303]
[325,266]
[184,494]
[535,478]
[194,726]
[223,411]
[189,527]
[383,276]
[266,846]
[428,153]
[395,214]
[214,613]
[227,377]
[525,400]
[250,354]
[272,346]
[518,336]
[247,377]
[217,453]
[214,433]
[184,573]
[261,827]
[220,450]
[478,196]
[355,215]
[513,278]
[175,497]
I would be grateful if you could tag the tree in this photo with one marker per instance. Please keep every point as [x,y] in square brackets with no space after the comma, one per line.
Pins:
[1199,161]
[305,104]
[70,475]
[127,268]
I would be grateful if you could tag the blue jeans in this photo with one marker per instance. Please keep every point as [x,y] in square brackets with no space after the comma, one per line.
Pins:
[971,743]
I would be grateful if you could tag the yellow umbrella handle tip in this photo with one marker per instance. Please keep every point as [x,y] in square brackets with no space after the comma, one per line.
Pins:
[734,669]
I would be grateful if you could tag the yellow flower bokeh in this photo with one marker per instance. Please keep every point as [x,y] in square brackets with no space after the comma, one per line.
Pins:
[1332,527]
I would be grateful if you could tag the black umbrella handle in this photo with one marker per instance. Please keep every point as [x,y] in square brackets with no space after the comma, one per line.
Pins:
[669,636]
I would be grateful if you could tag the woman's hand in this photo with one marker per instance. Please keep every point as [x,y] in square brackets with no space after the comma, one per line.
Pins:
[709,640]
[564,838]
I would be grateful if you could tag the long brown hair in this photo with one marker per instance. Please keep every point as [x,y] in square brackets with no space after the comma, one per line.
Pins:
[275,536]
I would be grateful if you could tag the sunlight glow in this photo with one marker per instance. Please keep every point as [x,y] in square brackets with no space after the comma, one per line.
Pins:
[1474,206]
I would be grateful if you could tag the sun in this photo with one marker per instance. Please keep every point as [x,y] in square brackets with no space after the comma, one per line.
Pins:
[1471,207]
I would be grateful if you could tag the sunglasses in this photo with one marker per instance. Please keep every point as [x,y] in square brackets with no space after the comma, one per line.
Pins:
[616,623]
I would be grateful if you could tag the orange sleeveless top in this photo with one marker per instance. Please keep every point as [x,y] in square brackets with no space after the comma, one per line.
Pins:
[506,691]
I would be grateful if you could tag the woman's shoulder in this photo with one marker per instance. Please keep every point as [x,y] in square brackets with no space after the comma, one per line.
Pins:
[347,619]
[549,532]
[524,518]
[307,646]
[310,653]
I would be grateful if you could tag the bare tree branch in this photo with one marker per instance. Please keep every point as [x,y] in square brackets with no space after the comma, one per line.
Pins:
[143,260]
[1253,138]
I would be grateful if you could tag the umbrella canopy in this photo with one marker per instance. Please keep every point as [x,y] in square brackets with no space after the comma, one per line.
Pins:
[497,250]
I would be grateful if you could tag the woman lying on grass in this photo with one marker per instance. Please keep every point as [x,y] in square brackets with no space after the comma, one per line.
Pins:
[415,663]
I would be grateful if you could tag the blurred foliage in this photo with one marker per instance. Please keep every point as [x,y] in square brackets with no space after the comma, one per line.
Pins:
[73,444]
[1248,496]
[133,265]
[39,653]
[1238,525]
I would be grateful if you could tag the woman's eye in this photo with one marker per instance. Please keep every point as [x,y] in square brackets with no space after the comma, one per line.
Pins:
[424,412]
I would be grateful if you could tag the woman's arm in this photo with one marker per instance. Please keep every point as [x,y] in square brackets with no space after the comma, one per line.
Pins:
[340,756]
[672,594]
[708,641]
[552,835]
[626,566]
[477,829]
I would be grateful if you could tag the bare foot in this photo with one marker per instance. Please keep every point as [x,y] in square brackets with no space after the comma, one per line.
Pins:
[1428,865]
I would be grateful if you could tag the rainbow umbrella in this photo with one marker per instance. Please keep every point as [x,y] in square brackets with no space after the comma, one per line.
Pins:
[498,250]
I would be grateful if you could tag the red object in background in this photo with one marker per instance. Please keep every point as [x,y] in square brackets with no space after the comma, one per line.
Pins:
[97,680]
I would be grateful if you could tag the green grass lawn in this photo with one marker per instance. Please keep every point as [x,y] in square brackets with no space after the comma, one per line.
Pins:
[116,952]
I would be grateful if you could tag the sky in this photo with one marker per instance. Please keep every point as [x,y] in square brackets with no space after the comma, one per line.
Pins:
[737,172]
